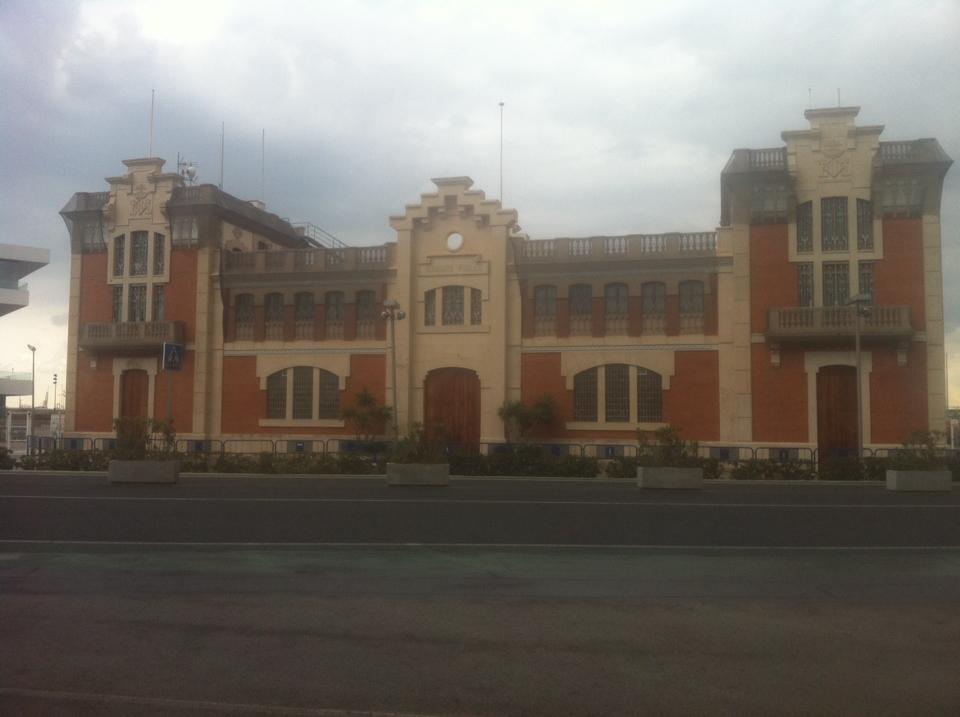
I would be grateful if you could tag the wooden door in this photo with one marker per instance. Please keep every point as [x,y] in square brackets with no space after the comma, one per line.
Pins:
[836,411]
[133,393]
[451,407]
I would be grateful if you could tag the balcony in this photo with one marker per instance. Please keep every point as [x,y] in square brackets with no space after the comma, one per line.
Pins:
[130,335]
[808,322]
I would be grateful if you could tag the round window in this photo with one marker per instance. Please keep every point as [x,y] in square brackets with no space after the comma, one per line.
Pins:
[454,242]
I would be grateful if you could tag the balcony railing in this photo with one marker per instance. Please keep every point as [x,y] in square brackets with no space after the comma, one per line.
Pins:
[772,158]
[833,321]
[130,334]
[634,246]
[306,261]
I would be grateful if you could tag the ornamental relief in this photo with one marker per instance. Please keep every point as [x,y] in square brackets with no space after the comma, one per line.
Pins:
[141,202]
[835,160]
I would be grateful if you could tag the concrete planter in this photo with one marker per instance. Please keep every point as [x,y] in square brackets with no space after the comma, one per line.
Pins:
[669,478]
[418,474]
[144,471]
[919,480]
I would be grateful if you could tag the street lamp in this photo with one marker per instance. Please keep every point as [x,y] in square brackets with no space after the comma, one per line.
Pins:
[861,304]
[392,313]
[33,376]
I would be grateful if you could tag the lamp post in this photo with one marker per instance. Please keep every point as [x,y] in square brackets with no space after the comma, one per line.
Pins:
[861,307]
[33,375]
[392,313]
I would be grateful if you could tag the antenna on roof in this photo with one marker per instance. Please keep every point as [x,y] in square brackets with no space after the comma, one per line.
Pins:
[838,98]
[501,154]
[263,155]
[150,149]
[809,98]
[223,131]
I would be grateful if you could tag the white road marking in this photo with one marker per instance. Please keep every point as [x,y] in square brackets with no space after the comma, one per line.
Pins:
[511,546]
[225,707]
[484,501]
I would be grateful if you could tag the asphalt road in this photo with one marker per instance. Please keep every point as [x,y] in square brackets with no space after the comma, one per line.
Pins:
[320,597]
[470,512]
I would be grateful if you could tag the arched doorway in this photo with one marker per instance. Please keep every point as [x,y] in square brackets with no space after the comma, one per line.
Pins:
[134,385]
[451,407]
[836,411]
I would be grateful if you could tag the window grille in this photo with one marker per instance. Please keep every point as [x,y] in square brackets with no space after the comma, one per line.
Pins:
[864,225]
[581,309]
[159,303]
[616,307]
[649,396]
[244,316]
[139,252]
[94,236]
[303,392]
[865,270]
[805,284]
[654,307]
[333,306]
[118,258]
[617,392]
[137,306]
[836,284]
[117,303]
[585,396]
[430,308]
[304,310]
[159,254]
[303,313]
[544,310]
[366,314]
[476,307]
[691,307]
[768,202]
[185,231]
[329,395]
[333,314]
[452,305]
[277,395]
[805,227]
[273,316]
[833,223]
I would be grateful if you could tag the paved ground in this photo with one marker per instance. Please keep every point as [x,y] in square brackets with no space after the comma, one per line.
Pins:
[156,627]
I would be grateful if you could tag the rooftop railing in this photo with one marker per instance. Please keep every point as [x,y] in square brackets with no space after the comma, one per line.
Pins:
[635,246]
[771,158]
[307,260]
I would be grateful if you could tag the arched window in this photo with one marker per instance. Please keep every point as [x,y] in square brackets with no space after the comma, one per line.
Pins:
[273,316]
[303,393]
[277,395]
[654,307]
[581,310]
[691,307]
[620,393]
[366,314]
[616,305]
[304,312]
[544,310]
[333,314]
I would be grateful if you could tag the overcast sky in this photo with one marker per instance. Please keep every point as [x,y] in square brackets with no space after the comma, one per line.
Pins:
[618,116]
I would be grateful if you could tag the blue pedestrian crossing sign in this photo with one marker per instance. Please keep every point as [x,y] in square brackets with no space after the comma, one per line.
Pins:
[172,357]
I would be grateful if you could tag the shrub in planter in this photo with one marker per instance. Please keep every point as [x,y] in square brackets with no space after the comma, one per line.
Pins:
[145,452]
[920,464]
[668,461]
[6,459]
[418,459]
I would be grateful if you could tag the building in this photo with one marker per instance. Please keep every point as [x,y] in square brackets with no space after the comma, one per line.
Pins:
[738,336]
[16,262]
